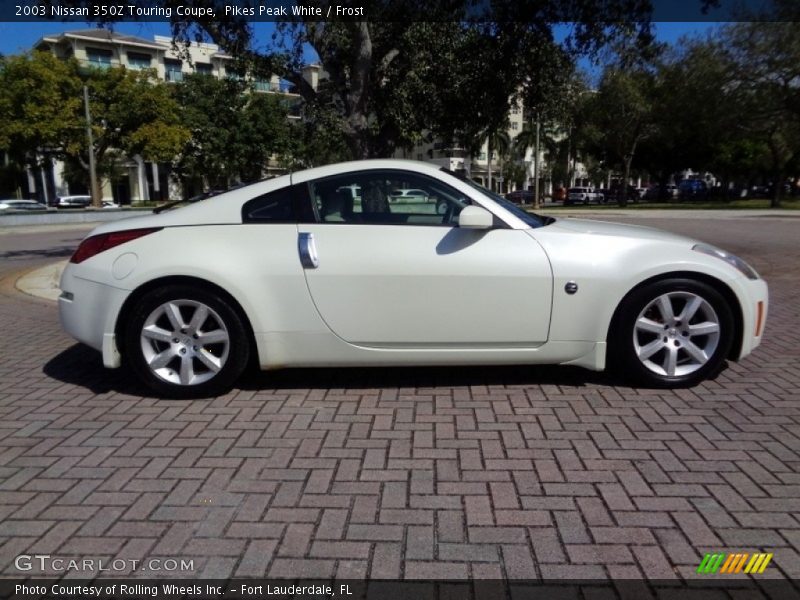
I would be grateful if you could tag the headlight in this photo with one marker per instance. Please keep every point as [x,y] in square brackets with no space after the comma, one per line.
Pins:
[733,260]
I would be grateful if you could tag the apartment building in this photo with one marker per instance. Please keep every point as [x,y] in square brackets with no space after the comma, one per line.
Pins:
[141,181]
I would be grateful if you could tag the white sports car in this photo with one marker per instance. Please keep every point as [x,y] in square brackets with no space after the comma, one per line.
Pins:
[293,272]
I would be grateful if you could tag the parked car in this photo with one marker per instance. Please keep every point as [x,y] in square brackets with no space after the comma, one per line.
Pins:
[409,196]
[270,278]
[15,204]
[110,204]
[582,195]
[73,201]
[520,196]
[655,193]
[692,189]
[607,194]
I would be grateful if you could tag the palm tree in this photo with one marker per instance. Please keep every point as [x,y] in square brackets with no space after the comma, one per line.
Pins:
[497,140]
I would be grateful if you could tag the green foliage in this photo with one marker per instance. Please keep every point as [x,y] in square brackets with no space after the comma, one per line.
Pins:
[131,113]
[40,105]
[42,113]
[391,81]
[234,131]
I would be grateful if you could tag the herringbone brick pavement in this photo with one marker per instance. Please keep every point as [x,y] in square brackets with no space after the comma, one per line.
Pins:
[409,473]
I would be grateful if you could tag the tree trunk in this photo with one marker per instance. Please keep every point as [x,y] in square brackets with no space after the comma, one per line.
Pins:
[623,198]
[777,190]
[489,162]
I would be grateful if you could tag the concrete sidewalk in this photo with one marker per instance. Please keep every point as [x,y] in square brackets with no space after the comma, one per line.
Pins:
[43,282]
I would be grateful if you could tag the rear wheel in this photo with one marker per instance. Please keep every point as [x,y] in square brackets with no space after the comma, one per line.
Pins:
[672,333]
[186,342]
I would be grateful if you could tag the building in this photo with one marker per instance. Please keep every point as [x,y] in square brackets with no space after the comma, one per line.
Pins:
[100,48]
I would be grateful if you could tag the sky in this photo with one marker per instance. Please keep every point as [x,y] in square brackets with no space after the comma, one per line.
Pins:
[19,37]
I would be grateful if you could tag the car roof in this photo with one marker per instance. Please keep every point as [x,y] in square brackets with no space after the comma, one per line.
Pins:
[226,207]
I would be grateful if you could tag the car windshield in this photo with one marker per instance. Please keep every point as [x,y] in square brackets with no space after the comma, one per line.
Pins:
[531,219]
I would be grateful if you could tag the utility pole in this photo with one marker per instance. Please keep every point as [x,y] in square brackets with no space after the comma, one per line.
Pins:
[536,166]
[96,201]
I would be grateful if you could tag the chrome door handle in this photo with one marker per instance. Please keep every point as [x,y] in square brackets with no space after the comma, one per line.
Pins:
[308,251]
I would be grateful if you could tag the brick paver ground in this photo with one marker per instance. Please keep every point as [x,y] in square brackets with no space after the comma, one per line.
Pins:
[443,473]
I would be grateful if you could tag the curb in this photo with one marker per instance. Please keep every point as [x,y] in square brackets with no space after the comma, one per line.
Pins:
[42,282]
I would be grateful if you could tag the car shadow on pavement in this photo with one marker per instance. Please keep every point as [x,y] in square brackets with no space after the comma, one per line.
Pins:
[422,377]
[81,366]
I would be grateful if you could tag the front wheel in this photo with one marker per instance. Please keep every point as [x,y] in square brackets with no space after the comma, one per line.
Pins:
[671,333]
[186,342]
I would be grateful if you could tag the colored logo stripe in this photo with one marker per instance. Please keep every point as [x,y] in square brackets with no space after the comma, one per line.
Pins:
[710,563]
[734,563]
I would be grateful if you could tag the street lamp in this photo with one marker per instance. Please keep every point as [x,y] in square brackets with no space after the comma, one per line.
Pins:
[96,201]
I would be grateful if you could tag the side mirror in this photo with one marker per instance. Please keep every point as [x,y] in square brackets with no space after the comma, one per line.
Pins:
[475,217]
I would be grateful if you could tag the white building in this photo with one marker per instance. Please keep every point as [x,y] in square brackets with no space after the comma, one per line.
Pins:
[101,48]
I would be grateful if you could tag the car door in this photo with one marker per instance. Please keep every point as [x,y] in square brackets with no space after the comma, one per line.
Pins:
[388,275]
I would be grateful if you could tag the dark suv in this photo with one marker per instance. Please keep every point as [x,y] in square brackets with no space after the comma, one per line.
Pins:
[520,196]
[692,189]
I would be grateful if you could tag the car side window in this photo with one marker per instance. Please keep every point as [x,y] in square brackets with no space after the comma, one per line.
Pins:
[386,197]
[273,207]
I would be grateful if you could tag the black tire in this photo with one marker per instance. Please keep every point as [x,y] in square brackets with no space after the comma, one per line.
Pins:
[623,335]
[236,356]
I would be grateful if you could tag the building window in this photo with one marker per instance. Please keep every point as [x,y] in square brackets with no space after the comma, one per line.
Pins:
[234,74]
[99,57]
[203,69]
[514,125]
[172,70]
[139,61]
[263,85]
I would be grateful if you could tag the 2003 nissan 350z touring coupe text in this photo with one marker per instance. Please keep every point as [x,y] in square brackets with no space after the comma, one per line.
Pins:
[321,268]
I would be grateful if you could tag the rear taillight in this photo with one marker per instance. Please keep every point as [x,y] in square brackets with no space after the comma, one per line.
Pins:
[105,241]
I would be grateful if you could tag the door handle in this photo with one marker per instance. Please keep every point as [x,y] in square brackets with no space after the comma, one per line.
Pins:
[308,251]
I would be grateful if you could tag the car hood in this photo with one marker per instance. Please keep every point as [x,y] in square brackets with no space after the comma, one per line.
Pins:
[606,228]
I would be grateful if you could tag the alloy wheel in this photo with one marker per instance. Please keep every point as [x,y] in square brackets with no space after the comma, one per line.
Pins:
[676,334]
[185,342]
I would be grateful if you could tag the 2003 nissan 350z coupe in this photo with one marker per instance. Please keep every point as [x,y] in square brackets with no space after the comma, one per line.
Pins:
[325,268]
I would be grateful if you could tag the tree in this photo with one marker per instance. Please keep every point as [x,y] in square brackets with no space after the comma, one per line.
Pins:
[497,141]
[234,131]
[40,107]
[449,68]
[132,114]
[621,113]
[42,113]
[765,66]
